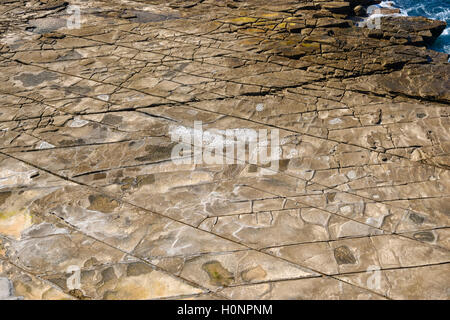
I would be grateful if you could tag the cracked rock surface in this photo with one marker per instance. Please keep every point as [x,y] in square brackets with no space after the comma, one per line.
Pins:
[92,207]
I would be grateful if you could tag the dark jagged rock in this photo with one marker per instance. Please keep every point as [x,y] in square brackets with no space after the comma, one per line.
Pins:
[406,27]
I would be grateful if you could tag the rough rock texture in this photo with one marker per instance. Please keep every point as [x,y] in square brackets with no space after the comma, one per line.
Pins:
[92,207]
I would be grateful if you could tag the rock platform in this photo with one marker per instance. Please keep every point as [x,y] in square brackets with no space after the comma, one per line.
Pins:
[93,207]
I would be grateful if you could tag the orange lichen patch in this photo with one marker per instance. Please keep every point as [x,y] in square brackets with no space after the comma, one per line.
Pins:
[148,286]
[272,15]
[255,273]
[253,30]
[2,252]
[281,26]
[240,21]
[14,222]
[310,44]
[287,43]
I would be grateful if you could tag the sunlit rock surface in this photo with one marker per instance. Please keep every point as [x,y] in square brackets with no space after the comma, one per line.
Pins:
[92,206]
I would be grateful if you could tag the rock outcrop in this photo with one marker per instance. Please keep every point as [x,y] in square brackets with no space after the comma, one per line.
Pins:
[92,205]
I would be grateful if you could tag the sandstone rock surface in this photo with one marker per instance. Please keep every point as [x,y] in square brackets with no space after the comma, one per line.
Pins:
[92,207]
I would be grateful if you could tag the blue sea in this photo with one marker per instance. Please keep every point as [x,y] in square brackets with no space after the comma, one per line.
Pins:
[434,9]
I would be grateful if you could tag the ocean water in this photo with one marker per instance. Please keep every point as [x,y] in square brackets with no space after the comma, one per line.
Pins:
[434,9]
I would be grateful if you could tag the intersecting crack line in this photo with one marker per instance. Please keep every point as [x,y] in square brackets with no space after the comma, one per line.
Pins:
[38,276]
[168,217]
[329,188]
[250,120]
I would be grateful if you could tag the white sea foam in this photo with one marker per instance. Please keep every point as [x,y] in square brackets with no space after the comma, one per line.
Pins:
[372,10]
[435,10]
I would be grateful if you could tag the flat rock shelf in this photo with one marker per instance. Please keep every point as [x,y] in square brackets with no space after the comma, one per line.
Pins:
[93,207]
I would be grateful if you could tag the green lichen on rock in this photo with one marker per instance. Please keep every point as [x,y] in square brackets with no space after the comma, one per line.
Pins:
[218,275]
